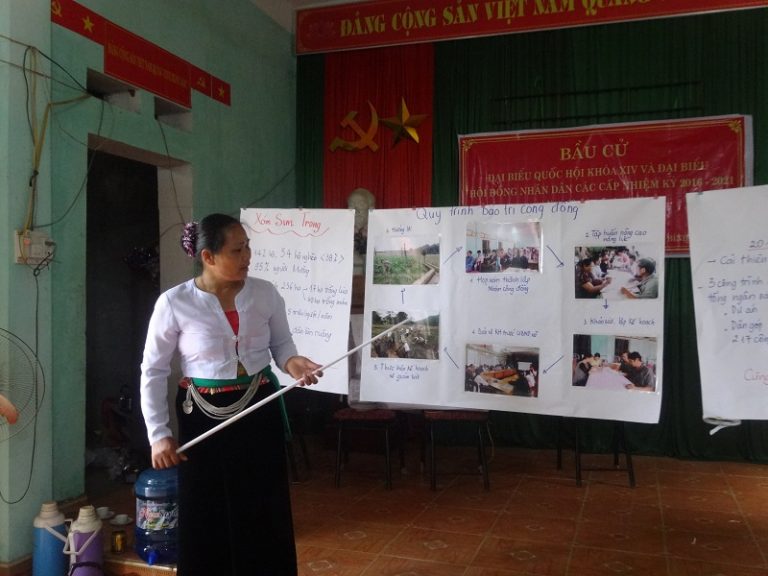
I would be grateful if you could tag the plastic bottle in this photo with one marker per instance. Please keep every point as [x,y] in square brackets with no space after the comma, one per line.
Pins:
[157,515]
[48,558]
[85,544]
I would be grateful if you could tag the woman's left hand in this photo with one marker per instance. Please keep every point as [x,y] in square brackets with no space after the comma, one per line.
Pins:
[302,368]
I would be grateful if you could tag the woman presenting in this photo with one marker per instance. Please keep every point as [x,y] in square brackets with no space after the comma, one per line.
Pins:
[226,327]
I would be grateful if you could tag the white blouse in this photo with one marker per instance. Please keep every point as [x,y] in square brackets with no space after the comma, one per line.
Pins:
[192,322]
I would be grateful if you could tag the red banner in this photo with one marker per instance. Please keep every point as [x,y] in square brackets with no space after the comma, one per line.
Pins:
[641,159]
[388,22]
[132,59]
[137,61]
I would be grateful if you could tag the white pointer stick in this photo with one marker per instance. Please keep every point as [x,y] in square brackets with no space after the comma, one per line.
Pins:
[280,392]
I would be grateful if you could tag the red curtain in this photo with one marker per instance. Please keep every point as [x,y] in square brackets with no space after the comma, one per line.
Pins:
[376,83]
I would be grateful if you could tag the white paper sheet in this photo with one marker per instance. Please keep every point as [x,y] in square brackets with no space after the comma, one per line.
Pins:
[483,322]
[307,255]
[729,269]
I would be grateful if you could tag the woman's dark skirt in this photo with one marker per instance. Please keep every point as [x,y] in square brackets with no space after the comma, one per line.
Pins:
[234,498]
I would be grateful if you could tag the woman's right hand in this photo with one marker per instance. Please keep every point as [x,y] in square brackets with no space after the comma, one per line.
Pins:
[164,453]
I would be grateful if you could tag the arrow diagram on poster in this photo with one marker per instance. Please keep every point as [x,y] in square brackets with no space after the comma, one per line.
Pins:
[452,254]
[548,368]
[559,262]
[450,357]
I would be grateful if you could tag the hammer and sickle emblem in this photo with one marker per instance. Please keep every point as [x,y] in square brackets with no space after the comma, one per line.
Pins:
[56,8]
[366,138]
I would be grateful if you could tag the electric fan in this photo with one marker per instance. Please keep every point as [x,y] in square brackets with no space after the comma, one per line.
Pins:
[21,392]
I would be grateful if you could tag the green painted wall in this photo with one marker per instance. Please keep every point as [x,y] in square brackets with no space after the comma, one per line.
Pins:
[237,156]
[24,297]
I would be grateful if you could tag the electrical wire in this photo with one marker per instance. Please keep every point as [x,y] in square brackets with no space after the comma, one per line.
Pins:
[38,132]
[272,188]
[30,107]
[27,91]
[44,55]
[170,171]
[38,152]
[83,183]
[40,74]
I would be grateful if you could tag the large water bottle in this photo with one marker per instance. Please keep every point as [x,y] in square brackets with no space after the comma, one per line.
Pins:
[85,544]
[48,558]
[157,515]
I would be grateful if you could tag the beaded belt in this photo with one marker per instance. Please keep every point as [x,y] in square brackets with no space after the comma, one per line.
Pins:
[186,382]
[195,397]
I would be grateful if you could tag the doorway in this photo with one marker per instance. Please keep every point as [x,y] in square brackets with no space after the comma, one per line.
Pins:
[122,284]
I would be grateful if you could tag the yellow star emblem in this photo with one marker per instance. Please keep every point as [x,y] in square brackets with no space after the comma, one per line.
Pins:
[88,24]
[404,124]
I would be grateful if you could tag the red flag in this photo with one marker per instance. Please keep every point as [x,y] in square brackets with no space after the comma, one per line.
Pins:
[378,125]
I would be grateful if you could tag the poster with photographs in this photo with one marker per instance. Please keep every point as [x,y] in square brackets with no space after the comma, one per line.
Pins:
[729,271]
[498,307]
[307,255]
[613,317]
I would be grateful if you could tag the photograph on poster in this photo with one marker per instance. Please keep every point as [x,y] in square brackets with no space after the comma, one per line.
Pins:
[502,246]
[610,362]
[406,260]
[616,272]
[417,339]
[496,369]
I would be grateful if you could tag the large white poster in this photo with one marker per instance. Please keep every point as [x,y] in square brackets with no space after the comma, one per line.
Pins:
[307,255]
[552,308]
[729,268]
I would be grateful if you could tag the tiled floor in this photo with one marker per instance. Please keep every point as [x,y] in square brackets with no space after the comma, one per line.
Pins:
[682,519]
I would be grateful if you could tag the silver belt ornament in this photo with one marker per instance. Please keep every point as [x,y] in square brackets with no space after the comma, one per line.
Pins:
[219,412]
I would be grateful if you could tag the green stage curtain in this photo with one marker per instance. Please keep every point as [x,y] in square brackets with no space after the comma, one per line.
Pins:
[309,124]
